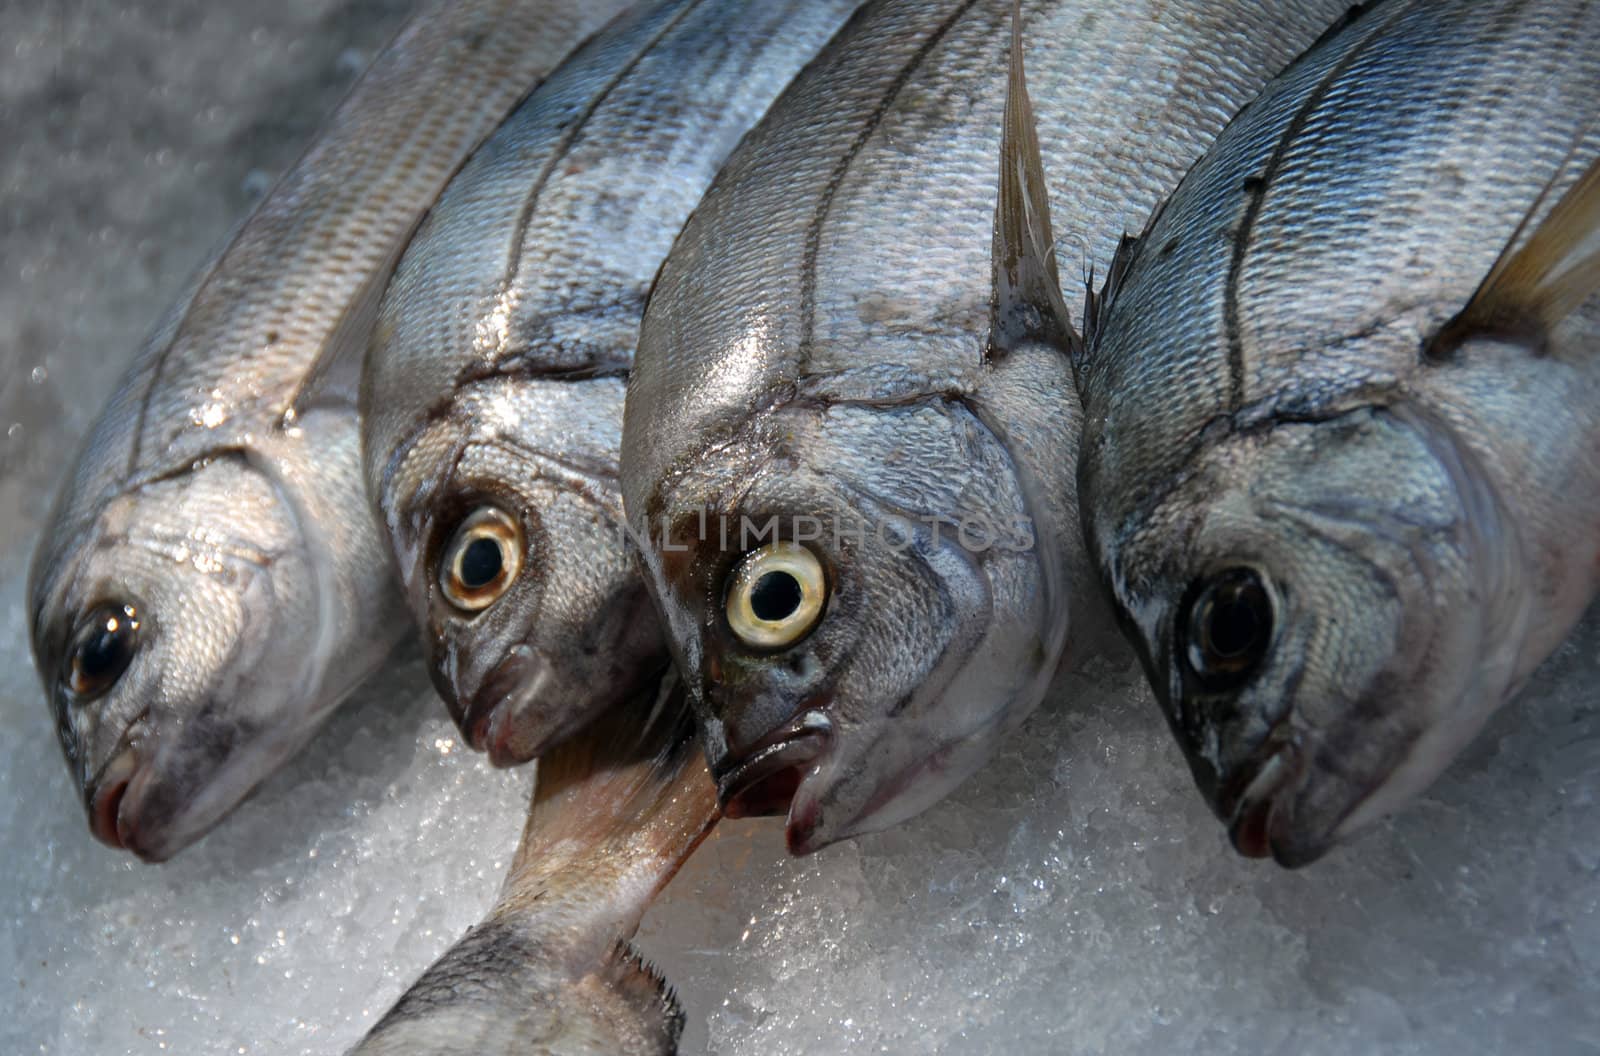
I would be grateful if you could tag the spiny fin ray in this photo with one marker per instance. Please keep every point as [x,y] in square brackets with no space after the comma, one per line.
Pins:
[1027,302]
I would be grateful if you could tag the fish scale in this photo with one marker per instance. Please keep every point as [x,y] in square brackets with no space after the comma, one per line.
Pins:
[234,430]
[494,390]
[1289,378]
[824,320]
[615,813]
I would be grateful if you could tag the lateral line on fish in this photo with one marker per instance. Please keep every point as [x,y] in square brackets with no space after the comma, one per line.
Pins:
[801,398]
[569,136]
[813,240]
[158,476]
[1258,197]
[213,267]
[516,369]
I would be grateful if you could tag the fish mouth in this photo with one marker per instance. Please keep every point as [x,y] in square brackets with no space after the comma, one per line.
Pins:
[104,797]
[889,799]
[764,782]
[1261,815]
[490,722]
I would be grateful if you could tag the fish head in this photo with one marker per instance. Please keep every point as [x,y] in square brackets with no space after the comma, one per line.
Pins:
[1328,610]
[517,567]
[855,600]
[178,633]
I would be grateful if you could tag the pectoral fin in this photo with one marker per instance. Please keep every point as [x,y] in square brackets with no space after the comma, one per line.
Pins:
[1543,275]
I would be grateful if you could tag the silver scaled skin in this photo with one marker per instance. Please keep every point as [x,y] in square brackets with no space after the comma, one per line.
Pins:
[492,398]
[1339,465]
[857,492]
[549,972]
[210,583]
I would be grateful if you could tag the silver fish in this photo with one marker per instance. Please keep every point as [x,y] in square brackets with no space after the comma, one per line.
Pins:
[550,971]
[493,392]
[849,444]
[1342,412]
[210,583]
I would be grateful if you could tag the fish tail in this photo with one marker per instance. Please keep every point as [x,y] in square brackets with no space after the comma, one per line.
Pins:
[633,783]
[616,811]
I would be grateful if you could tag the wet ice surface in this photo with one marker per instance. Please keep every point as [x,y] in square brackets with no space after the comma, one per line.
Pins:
[1074,898]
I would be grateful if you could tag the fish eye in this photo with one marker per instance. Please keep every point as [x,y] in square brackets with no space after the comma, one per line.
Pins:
[102,649]
[775,596]
[482,559]
[1228,627]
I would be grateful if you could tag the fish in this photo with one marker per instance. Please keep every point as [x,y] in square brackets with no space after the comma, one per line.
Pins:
[1342,403]
[850,435]
[550,970]
[493,389]
[210,583]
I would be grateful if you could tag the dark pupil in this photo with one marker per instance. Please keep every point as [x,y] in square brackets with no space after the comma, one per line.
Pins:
[1235,623]
[481,563]
[105,653]
[103,650]
[1231,625]
[776,596]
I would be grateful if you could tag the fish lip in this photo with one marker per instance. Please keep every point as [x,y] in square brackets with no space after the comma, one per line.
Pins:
[1261,810]
[805,813]
[104,793]
[486,723]
[764,780]
[104,797]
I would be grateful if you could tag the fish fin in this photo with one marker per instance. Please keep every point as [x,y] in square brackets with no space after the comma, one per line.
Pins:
[1539,279]
[642,987]
[1096,304]
[1026,300]
[335,378]
[631,791]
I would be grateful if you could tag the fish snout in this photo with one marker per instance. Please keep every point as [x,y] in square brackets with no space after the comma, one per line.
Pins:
[1258,803]
[104,797]
[500,717]
[533,700]
[761,780]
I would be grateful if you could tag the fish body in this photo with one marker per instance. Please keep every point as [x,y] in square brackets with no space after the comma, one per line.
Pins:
[209,584]
[549,971]
[493,393]
[1339,462]
[856,488]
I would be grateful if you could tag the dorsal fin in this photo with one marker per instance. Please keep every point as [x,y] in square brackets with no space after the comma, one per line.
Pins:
[1539,279]
[1096,304]
[1026,300]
